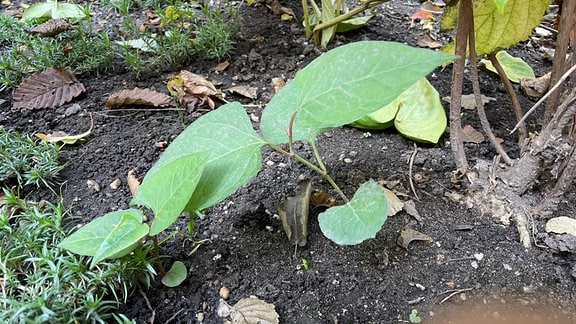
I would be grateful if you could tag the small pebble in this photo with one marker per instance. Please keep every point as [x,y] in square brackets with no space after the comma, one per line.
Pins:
[200,317]
[347,160]
[93,185]
[224,292]
[115,184]
[269,163]
[74,109]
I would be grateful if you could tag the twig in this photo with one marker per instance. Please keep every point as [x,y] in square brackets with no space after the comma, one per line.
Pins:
[457,259]
[174,316]
[410,165]
[453,293]
[366,5]
[537,104]
[153,316]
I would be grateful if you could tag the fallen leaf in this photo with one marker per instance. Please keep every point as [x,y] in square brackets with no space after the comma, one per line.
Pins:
[133,182]
[193,90]
[408,235]
[410,209]
[422,15]
[278,83]
[253,311]
[323,199]
[431,7]
[293,212]
[470,135]
[59,136]
[514,68]
[428,41]
[246,91]
[536,87]
[561,225]
[221,66]
[284,12]
[469,102]
[47,89]
[394,203]
[50,28]
[139,97]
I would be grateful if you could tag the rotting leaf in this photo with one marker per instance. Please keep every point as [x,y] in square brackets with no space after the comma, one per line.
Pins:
[138,96]
[50,28]
[253,311]
[323,199]
[59,136]
[244,90]
[408,235]
[279,10]
[536,87]
[394,203]
[470,135]
[293,212]
[428,41]
[410,209]
[221,66]
[193,90]
[47,89]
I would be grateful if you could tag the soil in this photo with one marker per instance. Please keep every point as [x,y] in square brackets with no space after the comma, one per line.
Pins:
[474,270]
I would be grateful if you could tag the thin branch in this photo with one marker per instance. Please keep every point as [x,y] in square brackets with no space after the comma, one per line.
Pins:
[550,92]
[366,5]
[410,165]
[514,99]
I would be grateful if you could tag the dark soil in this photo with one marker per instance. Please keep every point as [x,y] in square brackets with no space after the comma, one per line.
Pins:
[474,270]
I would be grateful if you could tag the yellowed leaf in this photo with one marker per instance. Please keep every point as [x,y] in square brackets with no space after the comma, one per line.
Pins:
[60,136]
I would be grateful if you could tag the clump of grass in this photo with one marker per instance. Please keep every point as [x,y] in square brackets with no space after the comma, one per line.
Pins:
[43,283]
[26,160]
[79,50]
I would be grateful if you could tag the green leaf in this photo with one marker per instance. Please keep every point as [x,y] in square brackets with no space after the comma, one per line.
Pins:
[515,68]
[233,148]
[500,4]
[167,188]
[122,239]
[87,240]
[359,219]
[327,34]
[494,30]
[344,85]
[176,275]
[417,114]
[353,24]
[421,116]
[54,10]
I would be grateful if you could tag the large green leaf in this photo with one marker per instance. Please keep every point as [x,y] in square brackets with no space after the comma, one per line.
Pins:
[417,114]
[515,68]
[233,148]
[344,85]
[359,219]
[421,116]
[167,188]
[494,29]
[122,239]
[87,239]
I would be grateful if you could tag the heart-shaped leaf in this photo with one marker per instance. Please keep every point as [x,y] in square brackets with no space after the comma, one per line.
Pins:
[359,219]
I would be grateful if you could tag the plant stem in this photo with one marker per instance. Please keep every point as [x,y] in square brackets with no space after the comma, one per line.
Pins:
[366,5]
[156,252]
[320,170]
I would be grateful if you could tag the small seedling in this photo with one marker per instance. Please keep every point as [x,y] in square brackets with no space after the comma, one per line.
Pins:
[303,265]
[414,318]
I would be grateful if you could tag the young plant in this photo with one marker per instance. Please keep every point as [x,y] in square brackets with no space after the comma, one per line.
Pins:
[221,151]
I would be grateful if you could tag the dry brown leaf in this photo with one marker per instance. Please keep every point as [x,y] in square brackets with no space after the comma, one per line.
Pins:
[428,41]
[469,102]
[50,28]
[193,90]
[410,208]
[284,12]
[221,66]
[138,96]
[394,203]
[293,212]
[433,7]
[133,182]
[323,199]
[47,89]
[536,87]
[278,83]
[246,91]
[253,311]
[470,135]
[408,235]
